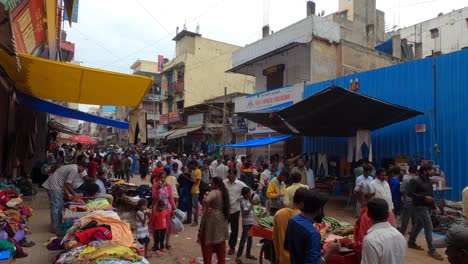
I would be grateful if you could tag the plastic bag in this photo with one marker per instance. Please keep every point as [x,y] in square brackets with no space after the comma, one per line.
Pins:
[180,214]
[176,225]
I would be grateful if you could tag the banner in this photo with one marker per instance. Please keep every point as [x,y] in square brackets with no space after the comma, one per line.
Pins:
[163,119]
[27,18]
[278,98]
[160,63]
[174,117]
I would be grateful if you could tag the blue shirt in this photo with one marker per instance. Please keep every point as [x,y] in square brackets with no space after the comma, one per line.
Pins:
[302,240]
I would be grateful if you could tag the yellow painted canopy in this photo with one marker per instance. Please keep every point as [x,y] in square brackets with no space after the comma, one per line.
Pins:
[67,82]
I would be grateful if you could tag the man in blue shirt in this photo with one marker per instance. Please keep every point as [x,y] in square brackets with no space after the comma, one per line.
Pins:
[302,238]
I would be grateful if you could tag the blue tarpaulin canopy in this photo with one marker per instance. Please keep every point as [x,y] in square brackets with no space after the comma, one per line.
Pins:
[48,107]
[257,142]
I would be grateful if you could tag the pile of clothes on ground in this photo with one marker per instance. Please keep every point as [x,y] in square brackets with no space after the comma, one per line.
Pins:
[14,214]
[78,208]
[98,237]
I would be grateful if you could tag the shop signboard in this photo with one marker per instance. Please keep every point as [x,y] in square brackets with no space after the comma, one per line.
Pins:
[196,119]
[27,18]
[174,117]
[238,125]
[163,120]
[269,99]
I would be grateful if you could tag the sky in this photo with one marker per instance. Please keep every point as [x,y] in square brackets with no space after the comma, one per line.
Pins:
[113,34]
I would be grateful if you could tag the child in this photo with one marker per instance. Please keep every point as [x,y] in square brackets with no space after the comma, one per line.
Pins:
[247,222]
[159,226]
[143,215]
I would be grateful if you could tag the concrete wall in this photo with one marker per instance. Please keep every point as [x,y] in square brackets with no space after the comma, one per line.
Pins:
[205,75]
[323,64]
[145,66]
[204,63]
[355,58]
[453,33]
[296,62]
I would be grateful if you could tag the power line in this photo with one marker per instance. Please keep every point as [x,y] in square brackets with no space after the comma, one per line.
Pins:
[98,44]
[153,17]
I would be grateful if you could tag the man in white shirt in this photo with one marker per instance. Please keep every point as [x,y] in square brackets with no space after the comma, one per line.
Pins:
[382,189]
[263,183]
[364,177]
[383,244]
[234,187]
[310,175]
[221,170]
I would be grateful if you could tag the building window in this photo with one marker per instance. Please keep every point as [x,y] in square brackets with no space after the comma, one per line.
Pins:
[180,105]
[434,33]
[466,20]
[274,76]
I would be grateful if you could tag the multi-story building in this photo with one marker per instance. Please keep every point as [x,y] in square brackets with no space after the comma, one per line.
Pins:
[314,49]
[197,74]
[442,34]
[151,103]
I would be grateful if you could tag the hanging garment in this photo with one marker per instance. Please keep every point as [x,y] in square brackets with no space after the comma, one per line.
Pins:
[322,161]
[363,137]
[137,128]
[355,145]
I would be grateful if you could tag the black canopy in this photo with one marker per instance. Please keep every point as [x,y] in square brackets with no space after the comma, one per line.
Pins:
[334,112]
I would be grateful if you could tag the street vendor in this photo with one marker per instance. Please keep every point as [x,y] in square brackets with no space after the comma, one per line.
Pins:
[302,238]
[58,184]
[82,183]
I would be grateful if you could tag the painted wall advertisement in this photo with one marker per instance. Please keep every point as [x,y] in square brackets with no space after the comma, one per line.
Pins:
[27,17]
[277,98]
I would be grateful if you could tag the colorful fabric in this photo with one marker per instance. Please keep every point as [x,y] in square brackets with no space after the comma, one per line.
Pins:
[107,251]
[95,233]
[99,204]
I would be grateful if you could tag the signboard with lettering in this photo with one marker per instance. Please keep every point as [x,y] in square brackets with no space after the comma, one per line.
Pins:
[27,17]
[196,119]
[174,117]
[269,99]
[163,120]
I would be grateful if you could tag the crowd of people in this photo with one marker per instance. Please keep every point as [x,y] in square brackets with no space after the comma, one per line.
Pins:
[218,194]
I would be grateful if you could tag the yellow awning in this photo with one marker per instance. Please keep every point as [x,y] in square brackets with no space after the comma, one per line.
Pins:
[67,82]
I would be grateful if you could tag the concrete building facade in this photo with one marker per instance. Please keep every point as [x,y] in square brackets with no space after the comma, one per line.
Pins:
[443,34]
[196,74]
[317,48]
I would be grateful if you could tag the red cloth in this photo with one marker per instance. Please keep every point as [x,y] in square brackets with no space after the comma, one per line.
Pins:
[157,171]
[92,169]
[91,234]
[258,231]
[208,250]
[159,220]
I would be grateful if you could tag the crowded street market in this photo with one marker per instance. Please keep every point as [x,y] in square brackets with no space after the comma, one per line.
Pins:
[334,140]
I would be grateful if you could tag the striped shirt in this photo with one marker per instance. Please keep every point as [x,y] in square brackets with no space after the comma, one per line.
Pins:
[141,229]
[65,174]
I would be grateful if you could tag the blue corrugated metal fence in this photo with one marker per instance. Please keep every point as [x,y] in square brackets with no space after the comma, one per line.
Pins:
[411,85]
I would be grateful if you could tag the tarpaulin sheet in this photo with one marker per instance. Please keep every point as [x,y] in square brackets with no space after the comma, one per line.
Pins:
[48,79]
[334,112]
[178,133]
[257,142]
[44,106]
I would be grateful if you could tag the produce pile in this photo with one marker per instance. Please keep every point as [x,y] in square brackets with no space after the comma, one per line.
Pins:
[266,222]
